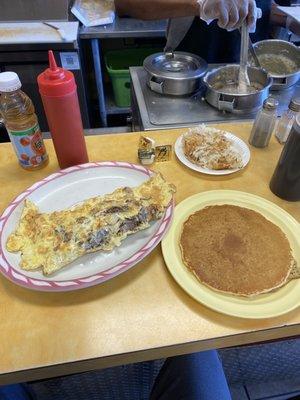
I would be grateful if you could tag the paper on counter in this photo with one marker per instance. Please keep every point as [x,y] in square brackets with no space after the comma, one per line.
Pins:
[94,12]
[37,32]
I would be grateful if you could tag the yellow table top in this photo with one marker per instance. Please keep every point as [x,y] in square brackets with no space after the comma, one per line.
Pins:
[141,314]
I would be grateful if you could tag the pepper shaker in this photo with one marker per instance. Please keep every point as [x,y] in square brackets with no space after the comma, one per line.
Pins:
[264,123]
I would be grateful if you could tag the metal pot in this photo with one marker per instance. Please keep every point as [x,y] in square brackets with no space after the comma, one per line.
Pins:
[236,103]
[176,74]
[274,47]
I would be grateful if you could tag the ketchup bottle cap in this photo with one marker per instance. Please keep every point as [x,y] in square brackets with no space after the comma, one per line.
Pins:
[56,81]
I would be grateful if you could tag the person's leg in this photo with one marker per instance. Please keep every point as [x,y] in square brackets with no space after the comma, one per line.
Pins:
[19,391]
[197,376]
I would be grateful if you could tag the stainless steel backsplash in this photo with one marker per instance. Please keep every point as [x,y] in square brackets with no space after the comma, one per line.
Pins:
[32,10]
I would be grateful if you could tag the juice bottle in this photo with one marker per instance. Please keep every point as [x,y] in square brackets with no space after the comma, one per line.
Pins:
[21,123]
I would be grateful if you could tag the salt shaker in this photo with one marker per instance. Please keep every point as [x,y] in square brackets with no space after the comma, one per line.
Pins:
[264,123]
[286,121]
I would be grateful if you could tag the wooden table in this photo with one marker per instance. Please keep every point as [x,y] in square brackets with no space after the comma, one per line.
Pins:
[139,315]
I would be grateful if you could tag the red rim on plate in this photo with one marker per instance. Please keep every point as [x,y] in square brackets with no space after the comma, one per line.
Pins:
[20,278]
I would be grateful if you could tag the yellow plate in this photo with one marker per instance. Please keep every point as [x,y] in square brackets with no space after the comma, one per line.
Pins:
[263,306]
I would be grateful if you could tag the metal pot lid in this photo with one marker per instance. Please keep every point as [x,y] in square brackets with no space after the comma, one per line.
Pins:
[177,65]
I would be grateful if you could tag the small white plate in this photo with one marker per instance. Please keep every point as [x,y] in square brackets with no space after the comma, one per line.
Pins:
[64,189]
[238,144]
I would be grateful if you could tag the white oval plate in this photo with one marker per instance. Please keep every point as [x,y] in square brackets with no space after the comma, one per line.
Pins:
[64,189]
[266,305]
[237,143]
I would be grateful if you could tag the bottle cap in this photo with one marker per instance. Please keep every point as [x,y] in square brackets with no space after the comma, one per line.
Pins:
[9,82]
[295,104]
[270,103]
[56,81]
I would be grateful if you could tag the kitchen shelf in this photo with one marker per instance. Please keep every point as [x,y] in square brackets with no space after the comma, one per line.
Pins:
[120,29]
[124,28]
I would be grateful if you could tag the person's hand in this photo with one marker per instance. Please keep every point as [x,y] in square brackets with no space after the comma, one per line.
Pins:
[230,14]
[293,25]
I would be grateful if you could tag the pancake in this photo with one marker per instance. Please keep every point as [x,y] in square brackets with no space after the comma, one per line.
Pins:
[295,272]
[236,250]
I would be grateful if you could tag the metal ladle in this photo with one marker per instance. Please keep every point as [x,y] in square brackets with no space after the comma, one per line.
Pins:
[253,54]
[244,81]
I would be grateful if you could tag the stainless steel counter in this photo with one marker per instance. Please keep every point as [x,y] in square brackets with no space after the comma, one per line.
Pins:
[125,27]
[151,110]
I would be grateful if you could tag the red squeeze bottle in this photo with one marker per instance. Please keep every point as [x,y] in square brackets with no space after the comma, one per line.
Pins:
[58,90]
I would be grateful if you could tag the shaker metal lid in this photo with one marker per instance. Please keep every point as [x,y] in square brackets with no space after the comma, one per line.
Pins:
[295,104]
[177,65]
[270,103]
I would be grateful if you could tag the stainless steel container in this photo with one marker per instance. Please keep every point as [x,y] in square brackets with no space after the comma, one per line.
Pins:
[176,74]
[232,102]
[276,48]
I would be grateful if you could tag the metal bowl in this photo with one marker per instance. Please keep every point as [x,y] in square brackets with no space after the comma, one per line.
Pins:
[176,74]
[233,102]
[285,54]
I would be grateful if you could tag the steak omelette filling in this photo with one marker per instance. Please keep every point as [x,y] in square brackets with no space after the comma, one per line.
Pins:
[49,241]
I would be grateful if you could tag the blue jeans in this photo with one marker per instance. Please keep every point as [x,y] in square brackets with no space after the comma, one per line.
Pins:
[15,392]
[197,376]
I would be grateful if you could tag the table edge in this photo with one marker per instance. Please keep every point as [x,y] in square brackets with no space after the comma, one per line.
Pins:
[80,366]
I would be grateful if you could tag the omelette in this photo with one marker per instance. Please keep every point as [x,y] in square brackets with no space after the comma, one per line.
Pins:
[50,241]
[236,250]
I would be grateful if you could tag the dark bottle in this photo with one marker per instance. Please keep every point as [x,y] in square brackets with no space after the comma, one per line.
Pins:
[285,182]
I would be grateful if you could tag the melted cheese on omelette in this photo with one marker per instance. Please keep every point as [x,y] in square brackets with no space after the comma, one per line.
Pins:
[50,241]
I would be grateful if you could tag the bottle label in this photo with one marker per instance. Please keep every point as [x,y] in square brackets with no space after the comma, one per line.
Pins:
[29,146]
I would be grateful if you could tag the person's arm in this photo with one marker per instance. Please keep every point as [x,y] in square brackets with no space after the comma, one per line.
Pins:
[279,18]
[157,9]
[229,14]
